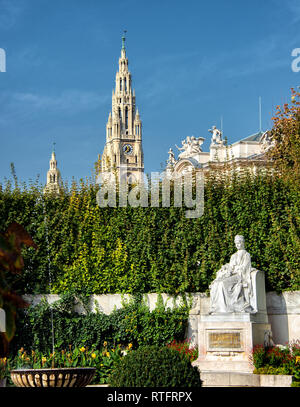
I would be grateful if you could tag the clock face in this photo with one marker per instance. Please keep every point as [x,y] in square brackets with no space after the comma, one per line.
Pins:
[127,148]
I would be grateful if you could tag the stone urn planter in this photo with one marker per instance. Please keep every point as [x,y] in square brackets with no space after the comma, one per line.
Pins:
[55,377]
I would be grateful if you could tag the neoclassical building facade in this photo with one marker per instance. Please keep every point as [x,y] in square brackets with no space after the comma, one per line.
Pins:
[247,152]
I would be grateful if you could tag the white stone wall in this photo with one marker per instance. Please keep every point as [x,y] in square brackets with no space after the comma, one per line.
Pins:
[283,310]
[284,316]
[242,149]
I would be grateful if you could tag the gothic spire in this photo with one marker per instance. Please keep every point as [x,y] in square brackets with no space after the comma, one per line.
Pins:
[124,126]
[53,174]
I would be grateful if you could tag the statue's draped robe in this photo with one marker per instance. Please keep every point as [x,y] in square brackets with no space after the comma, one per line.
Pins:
[231,293]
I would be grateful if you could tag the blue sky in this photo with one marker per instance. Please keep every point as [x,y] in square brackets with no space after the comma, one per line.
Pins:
[191,62]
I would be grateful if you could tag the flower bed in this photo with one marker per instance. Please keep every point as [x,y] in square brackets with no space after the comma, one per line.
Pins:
[278,360]
[184,347]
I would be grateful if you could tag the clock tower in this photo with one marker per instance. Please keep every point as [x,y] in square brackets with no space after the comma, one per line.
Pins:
[123,153]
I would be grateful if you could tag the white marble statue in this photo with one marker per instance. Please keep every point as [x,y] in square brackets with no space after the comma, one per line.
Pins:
[232,289]
[267,141]
[268,339]
[190,146]
[216,135]
[196,144]
[171,160]
[184,148]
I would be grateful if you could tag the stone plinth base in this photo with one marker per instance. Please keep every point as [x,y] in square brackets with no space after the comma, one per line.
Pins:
[228,379]
[235,379]
[225,341]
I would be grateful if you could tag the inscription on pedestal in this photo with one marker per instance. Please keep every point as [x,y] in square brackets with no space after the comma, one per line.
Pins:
[224,340]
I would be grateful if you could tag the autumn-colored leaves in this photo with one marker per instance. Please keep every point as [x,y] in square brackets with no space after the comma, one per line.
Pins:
[11,261]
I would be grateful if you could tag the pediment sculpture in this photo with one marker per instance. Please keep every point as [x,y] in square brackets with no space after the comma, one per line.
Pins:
[216,138]
[190,146]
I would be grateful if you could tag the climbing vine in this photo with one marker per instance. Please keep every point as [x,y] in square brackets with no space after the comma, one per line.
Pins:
[129,250]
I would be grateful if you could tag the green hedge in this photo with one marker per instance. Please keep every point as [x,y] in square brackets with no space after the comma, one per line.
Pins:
[128,250]
[132,323]
[155,366]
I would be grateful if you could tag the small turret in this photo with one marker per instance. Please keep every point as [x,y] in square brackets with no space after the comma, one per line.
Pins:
[54,180]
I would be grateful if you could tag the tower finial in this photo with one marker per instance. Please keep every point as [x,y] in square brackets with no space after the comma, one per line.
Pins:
[54,146]
[123,39]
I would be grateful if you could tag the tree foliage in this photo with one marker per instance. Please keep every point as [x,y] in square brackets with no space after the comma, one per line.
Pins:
[285,135]
[11,264]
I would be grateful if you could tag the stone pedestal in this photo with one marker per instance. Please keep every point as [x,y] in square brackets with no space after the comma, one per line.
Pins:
[225,341]
[217,152]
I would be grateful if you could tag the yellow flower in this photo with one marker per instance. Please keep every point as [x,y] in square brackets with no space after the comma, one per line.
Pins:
[107,354]
[82,349]
[130,346]
[93,355]
[297,359]
[105,344]
[44,360]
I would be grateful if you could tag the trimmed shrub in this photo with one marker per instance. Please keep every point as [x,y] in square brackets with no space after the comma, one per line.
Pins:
[155,366]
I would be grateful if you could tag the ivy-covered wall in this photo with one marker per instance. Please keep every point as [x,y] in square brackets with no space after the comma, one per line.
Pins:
[133,323]
[128,250]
